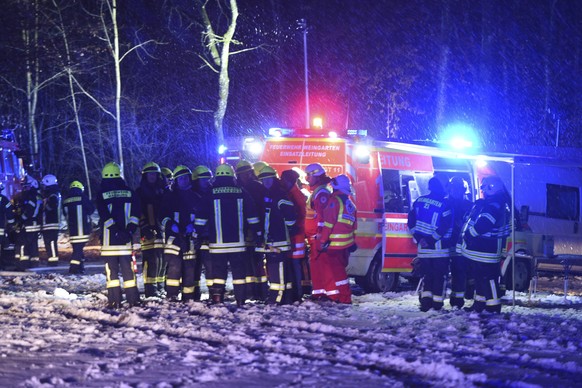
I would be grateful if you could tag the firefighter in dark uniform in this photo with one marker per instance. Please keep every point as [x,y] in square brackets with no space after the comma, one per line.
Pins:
[202,181]
[168,177]
[179,213]
[302,278]
[29,212]
[337,240]
[256,279]
[6,226]
[461,206]
[225,214]
[51,221]
[280,224]
[318,182]
[78,209]
[431,224]
[150,193]
[484,237]
[118,210]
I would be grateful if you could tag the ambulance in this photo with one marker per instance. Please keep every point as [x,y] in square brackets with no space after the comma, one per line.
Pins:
[388,177]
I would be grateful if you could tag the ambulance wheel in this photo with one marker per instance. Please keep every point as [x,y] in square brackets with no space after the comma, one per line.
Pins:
[378,281]
[522,276]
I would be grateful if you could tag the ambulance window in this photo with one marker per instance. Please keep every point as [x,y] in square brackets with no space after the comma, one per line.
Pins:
[393,198]
[563,202]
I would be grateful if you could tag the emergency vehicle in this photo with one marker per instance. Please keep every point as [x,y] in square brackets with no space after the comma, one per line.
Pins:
[11,166]
[388,177]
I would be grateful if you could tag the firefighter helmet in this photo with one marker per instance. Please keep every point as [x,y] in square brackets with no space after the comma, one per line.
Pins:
[314,169]
[167,172]
[258,167]
[151,167]
[76,185]
[224,170]
[435,185]
[267,172]
[290,176]
[111,170]
[492,185]
[458,185]
[29,181]
[243,166]
[202,172]
[342,183]
[181,170]
[49,180]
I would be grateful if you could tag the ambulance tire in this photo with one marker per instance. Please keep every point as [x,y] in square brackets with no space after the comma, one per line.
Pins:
[376,280]
[522,276]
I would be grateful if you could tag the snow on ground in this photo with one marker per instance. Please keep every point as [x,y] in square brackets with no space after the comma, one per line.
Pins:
[56,332]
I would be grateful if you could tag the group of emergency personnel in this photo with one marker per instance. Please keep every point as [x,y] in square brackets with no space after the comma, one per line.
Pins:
[246,219]
[451,231]
[38,208]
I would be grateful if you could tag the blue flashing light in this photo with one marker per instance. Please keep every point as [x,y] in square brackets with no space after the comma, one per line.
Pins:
[222,149]
[459,136]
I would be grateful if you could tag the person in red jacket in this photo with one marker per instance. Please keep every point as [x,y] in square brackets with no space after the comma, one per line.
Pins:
[320,193]
[302,284]
[337,240]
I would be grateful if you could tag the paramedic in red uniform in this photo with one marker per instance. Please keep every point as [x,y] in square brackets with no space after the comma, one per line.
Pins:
[337,240]
[320,193]
[300,265]
[431,224]
[484,237]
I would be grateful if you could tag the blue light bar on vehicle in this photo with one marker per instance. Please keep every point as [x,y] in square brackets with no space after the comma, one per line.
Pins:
[357,132]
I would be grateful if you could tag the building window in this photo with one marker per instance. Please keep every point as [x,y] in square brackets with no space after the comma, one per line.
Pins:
[563,202]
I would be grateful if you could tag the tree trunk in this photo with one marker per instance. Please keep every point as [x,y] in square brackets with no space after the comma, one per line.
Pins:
[116,61]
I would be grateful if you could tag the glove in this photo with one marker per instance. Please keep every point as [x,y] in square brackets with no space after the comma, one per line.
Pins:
[324,246]
[149,233]
[123,236]
[131,228]
[353,248]
[175,228]
[189,229]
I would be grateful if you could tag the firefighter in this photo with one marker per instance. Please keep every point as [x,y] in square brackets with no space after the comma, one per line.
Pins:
[29,211]
[257,285]
[202,177]
[318,182]
[225,213]
[202,180]
[280,223]
[168,177]
[6,226]
[302,278]
[78,209]
[52,207]
[457,190]
[337,240]
[431,224]
[484,237]
[258,167]
[150,193]
[118,210]
[179,213]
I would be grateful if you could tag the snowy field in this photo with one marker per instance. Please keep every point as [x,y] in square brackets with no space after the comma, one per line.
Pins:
[55,332]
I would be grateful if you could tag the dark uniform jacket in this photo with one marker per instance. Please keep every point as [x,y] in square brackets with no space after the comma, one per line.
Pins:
[31,211]
[280,219]
[179,208]
[78,209]
[151,200]
[486,230]
[52,208]
[226,212]
[6,215]
[118,209]
[431,223]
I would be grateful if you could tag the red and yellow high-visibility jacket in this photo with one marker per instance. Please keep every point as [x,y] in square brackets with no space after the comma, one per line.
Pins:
[315,205]
[339,222]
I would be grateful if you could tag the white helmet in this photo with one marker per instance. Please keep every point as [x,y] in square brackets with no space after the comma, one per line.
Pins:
[342,183]
[49,180]
[315,169]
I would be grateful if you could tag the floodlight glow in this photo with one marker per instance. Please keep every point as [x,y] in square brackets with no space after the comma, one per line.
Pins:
[481,163]
[222,149]
[460,143]
[332,134]
[255,147]
[317,122]
[362,151]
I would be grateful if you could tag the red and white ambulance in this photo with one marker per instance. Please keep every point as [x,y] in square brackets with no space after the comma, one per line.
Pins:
[388,177]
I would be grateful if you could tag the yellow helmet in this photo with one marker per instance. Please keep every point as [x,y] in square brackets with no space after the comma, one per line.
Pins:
[76,185]
[202,172]
[243,166]
[258,167]
[111,170]
[268,172]
[151,167]
[224,170]
[180,171]
[167,172]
